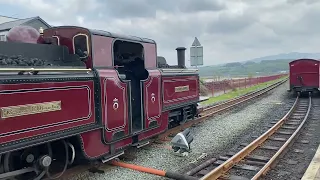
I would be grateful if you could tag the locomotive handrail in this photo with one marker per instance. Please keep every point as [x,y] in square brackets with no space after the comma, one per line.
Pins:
[43,69]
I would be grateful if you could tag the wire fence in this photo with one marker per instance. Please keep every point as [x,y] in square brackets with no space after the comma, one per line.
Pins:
[220,87]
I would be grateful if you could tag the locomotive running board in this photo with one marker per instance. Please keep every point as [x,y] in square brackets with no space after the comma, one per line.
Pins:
[108,158]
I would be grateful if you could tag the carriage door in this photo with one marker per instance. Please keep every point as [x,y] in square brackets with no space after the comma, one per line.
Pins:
[152,100]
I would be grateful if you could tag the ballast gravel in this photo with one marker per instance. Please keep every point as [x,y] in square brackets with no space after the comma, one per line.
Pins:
[213,137]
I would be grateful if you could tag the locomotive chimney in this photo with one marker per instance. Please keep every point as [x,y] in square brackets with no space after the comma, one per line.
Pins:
[181,57]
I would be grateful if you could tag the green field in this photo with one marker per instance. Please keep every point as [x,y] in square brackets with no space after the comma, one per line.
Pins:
[238,92]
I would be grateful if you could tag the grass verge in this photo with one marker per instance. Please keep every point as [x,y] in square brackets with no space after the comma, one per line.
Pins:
[238,92]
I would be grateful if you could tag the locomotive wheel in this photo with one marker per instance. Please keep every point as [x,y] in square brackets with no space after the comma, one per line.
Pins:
[35,163]
[60,158]
[22,165]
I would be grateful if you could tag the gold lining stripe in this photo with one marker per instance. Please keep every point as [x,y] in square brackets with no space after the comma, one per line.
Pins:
[28,109]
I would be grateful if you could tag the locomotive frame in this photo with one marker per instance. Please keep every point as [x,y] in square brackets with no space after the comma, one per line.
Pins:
[88,102]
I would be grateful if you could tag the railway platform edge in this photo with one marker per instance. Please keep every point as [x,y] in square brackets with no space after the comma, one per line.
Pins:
[313,170]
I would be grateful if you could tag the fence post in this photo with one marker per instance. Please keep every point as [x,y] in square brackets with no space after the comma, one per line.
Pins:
[212,86]
[245,82]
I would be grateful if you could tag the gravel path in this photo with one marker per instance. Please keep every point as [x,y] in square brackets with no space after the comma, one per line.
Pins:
[211,138]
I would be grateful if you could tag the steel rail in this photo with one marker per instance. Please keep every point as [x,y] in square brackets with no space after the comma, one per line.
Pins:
[263,171]
[238,157]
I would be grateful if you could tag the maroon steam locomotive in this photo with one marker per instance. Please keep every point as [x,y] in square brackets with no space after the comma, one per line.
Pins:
[84,95]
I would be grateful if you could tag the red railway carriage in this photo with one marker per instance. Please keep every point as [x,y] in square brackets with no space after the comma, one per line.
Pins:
[304,75]
[72,94]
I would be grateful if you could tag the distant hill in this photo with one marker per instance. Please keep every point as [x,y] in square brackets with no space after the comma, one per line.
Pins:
[250,68]
[291,55]
[266,65]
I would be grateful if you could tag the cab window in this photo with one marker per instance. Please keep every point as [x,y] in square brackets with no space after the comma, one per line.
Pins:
[81,45]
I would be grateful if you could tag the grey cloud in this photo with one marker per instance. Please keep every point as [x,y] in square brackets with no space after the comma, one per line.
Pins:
[303,1]
[203,5]
[297,21]
[230,23]
[228,31]
[58,11]
[148,8]
[256,36]
[129,8]
[309,22]
[263,28]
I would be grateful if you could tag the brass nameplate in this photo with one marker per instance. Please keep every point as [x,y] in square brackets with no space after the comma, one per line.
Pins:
[181,88]
[27,109]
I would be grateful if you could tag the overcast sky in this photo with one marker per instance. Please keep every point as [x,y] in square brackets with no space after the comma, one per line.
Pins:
[229,30]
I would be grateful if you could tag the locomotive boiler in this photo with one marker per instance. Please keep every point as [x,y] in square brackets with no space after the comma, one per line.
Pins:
[70,95]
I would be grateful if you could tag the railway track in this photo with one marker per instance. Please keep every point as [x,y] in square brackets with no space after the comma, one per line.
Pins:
[206,113]
[254,160]
[210,111]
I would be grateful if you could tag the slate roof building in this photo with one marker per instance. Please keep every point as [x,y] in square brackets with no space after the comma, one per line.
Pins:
[4,19]
[6,23]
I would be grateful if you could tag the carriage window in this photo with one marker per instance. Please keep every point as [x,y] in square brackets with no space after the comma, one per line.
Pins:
[81,45]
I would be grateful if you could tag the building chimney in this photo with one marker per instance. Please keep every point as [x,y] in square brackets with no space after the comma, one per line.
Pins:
[41,31]
[181,57]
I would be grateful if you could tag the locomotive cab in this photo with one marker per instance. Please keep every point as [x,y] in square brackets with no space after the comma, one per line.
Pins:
[129,62]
